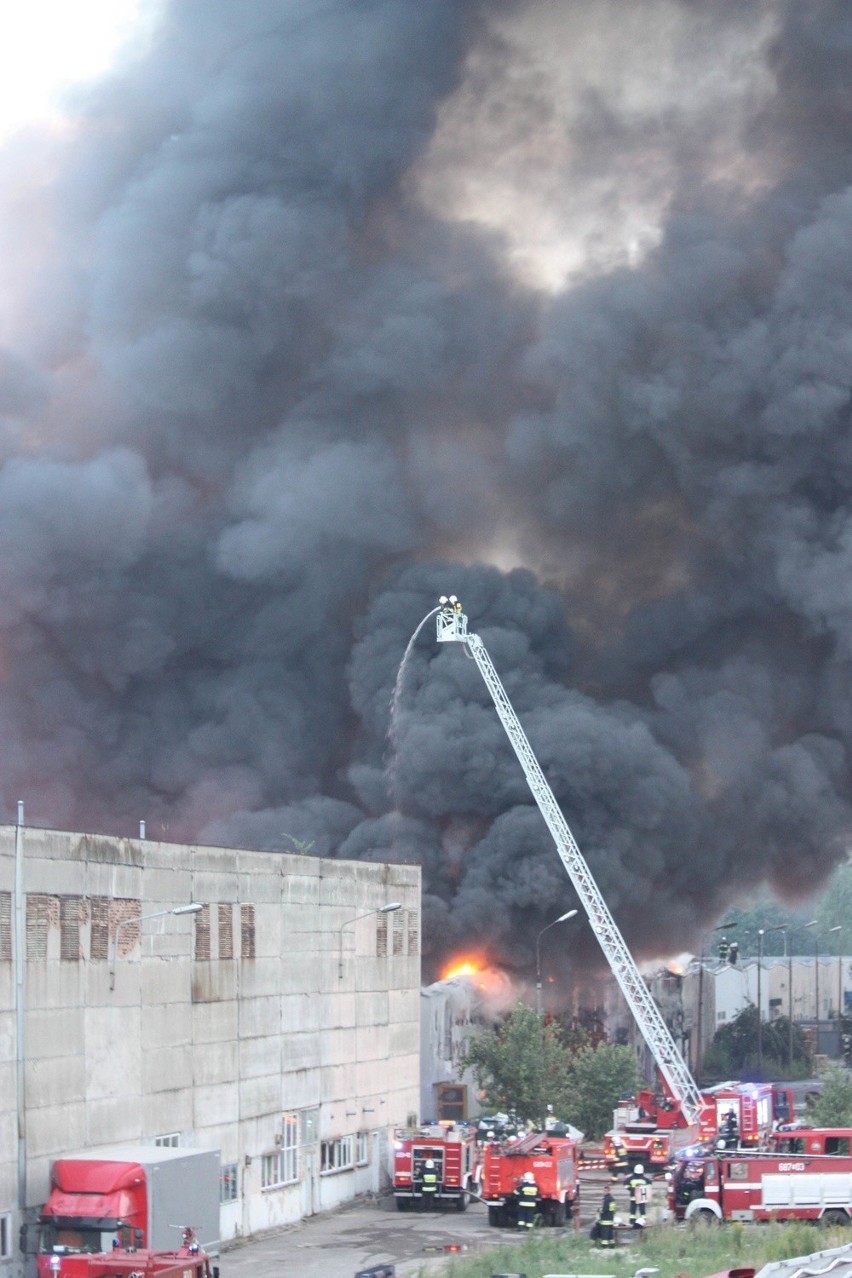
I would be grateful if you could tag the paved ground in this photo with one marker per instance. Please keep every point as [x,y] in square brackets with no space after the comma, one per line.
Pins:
[339,1244]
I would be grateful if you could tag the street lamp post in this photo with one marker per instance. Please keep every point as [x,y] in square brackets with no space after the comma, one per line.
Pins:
[144,918]
[789,933]
[722,927]
[382,909]
[761,932]
[562,919]
[817,936]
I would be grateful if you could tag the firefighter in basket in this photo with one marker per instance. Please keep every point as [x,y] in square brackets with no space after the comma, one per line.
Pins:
[638,1187]
[527,1195]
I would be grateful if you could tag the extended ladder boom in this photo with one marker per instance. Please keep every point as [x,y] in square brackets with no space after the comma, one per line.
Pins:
[452,628]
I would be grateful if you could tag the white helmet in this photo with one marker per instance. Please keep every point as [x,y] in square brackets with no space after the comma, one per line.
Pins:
[528,1178]
[429,1163]
[638,1170]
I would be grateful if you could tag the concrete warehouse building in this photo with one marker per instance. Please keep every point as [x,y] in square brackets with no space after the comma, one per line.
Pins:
[278,1023]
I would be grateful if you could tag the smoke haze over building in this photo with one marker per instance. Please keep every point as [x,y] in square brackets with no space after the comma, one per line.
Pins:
[315,311]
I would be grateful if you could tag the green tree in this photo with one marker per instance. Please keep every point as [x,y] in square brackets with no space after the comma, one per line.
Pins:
[833,1106]
[733,1052]
[522,1066]
[599,1077]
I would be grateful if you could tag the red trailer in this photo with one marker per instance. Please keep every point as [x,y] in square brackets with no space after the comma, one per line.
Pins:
[455,1154]
[552,1161]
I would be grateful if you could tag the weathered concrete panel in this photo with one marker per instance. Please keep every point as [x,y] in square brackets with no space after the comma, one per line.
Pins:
[214,1022]
[216,1063]
[216,1103]
[261,1056]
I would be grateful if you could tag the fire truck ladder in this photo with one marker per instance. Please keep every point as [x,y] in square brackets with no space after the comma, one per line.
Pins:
[452,628]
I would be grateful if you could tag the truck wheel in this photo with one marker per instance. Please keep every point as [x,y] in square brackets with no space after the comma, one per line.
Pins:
[705,1217]
[461,1201]
[836,1217]
[495,1216]
[557,1215]
[403,1204]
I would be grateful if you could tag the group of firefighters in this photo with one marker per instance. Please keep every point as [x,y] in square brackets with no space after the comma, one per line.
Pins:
[638,1189]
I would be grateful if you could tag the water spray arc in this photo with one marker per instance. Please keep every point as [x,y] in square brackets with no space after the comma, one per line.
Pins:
[452,628]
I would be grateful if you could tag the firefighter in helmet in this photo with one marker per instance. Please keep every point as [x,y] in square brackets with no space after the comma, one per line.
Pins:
[527,1196]
[429,1182]
[620,1164]
[603,1230]
[730,1133]
[638,1186]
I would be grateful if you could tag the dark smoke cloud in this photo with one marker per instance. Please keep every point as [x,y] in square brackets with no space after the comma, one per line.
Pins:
[322,310]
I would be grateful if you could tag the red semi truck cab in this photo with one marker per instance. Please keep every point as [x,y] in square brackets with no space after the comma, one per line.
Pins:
[453,1150]
[134,1196]
[761,1187]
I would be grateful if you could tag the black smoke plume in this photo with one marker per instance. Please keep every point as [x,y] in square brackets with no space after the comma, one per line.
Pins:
[317,311]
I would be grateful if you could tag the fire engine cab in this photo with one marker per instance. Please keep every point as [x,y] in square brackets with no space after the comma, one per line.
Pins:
[761,1187]
[553,1163]
[454,1153]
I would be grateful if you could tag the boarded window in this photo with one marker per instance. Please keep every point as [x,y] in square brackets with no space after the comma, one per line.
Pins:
[399,933]
[247,941]
[99,934]
[69,928]
[202,934]
[226,932]
[413,934]
[381,935]
[5,926]
[39,911]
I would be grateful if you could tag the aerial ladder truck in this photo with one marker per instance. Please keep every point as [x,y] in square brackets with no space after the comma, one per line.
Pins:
[677,1080]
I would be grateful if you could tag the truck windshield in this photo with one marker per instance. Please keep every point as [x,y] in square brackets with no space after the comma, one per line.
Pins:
[63,1241]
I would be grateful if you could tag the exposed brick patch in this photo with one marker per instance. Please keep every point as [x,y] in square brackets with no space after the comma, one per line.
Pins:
[247,933]
[99,932]
[381,935]
[5,926]
[413,934]
[226,932]
[202,934]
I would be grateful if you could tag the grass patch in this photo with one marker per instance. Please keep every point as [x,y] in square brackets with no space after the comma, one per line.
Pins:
[691,1251]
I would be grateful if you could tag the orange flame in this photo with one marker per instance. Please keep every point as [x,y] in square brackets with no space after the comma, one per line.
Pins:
[468,965]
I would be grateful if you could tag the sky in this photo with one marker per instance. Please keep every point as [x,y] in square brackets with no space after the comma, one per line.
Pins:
[311,312]
[48,47]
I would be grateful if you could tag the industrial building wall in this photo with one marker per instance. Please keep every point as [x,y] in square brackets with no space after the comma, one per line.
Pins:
[276,1024]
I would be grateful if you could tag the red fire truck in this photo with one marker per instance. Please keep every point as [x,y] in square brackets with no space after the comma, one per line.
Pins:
[798,1139]
[189,1261]
[552,1161]
[627,1147]
[760,1187]
[756,1108]
[455,1154]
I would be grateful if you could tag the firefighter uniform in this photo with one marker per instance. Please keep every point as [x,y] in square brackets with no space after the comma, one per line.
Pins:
[604,1230]
[527,1196]
[730,1133]
[429,1183]
[620,1164]
[638,1187]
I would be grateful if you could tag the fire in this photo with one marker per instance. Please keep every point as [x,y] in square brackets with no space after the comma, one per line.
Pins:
[469,965]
